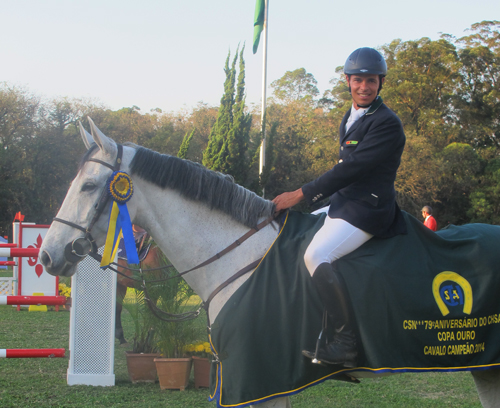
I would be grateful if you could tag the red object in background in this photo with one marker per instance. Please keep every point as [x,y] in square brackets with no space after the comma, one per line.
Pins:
[19,217]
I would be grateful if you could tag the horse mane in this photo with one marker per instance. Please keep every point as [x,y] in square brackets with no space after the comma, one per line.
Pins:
[195,182]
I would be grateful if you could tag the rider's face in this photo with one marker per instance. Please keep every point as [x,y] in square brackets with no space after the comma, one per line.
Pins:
[364,88]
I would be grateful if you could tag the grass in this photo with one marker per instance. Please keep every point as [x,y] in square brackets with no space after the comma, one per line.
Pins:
[41,383]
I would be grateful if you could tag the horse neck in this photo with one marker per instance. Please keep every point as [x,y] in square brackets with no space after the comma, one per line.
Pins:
[189,233]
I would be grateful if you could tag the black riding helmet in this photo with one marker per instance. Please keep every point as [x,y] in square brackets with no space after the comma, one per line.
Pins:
[366,61]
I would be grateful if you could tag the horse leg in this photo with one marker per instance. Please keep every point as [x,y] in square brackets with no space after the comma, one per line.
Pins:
[283,402]
[121,291]
[488,387]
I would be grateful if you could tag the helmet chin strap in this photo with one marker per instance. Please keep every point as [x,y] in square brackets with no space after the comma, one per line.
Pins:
[363,106]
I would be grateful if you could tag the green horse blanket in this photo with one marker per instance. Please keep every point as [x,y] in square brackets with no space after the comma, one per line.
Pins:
[423,301]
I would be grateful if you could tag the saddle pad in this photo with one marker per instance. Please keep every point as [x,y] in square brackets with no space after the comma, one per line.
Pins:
[423,301]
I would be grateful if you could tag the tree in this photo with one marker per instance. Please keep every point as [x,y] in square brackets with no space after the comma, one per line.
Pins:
[485,200]
[478,97]
[214,157]
[304,136]
[18,124]
[420,86]
[239,136]
[185,145]
[298,85]
[227,148]
[460,171]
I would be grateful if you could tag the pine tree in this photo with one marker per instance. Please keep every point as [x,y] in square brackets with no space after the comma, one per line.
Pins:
[227,148]
[185,145]
[239,135]
[215,155]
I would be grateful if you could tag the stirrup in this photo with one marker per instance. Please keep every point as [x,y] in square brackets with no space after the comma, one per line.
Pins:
[318,341]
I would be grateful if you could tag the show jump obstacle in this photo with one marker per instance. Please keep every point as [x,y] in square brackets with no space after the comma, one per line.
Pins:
[92,313]
[33,300]
[13,251]
[32,353]
[29,275]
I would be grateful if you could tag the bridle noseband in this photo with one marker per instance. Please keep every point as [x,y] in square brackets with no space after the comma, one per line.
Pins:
[83,246]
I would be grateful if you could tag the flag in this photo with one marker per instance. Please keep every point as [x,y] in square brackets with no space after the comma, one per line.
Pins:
[258,25]
[19,217]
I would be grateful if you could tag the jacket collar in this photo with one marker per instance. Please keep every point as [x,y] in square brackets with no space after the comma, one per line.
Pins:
[377,103]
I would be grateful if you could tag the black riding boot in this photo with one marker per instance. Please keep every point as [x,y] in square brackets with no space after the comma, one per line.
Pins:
[333,294]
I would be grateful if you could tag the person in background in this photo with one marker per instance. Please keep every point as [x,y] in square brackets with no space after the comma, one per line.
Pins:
[429,220]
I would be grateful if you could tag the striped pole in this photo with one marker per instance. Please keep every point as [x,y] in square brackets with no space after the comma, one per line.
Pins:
[34,300]
[32,353]
[19,252]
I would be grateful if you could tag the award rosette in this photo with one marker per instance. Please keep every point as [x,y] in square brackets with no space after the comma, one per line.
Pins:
[120,188]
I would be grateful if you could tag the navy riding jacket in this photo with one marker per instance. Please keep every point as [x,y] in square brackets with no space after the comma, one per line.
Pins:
[361,185]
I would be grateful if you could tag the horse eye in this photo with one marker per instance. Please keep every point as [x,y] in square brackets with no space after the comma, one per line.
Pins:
[88,187]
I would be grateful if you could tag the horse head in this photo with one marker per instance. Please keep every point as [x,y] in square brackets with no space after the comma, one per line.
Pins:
[81,223]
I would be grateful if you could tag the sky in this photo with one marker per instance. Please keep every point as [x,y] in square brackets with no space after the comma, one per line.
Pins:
[170,54]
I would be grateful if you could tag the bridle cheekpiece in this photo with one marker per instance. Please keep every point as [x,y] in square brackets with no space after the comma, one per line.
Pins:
[86,245]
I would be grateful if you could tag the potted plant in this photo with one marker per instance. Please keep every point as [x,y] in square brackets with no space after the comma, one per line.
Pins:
[200,352]
[174,366]
[140,360]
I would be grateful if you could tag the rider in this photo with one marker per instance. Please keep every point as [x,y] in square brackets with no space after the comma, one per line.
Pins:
[362,200]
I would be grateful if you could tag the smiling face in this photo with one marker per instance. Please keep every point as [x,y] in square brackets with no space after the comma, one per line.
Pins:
[364,88]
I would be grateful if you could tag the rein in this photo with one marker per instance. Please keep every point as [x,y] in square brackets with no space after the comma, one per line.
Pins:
[205,305]
[76,250]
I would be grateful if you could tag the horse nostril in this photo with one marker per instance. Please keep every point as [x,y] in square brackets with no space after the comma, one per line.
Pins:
[45,258]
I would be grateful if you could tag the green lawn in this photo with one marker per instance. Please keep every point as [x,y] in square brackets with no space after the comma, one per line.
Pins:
[40,383]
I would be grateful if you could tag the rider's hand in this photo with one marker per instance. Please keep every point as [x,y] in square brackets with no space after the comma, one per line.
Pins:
[287,200]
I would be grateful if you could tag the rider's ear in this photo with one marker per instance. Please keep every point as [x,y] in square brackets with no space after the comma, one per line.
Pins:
[86,136]
[106,145]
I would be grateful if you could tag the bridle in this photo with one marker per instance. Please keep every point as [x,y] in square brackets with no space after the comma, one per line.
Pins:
[74,251]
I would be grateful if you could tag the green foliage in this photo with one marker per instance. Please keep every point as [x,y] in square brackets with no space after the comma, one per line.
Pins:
[228,143]
[295,86]
[185,145]
[215,155]
[148,307]
[144,339]
[485,200]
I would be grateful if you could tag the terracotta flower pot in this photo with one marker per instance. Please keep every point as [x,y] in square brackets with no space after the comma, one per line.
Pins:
[141,367]
[201,367]
[173,373]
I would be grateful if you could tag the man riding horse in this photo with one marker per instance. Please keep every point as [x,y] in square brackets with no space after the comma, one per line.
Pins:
[362,200]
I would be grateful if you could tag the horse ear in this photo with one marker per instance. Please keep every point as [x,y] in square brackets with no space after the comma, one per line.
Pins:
[106,144]
[86,136]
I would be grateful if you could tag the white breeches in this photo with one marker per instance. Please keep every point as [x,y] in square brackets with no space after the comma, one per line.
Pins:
[333,240]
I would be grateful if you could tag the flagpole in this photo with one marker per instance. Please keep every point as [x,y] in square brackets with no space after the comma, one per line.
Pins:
[262,161]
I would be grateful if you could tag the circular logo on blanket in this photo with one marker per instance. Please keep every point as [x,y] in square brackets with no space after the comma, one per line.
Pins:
[120,187]
[452,290]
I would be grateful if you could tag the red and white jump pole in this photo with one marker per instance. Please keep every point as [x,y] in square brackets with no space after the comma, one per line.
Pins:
[11,252]
[34,300]
[32,353]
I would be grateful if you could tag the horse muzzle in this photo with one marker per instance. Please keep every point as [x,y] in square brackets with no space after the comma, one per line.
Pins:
[74,252]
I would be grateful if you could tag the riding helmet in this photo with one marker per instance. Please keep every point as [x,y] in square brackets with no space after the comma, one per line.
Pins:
[365,61]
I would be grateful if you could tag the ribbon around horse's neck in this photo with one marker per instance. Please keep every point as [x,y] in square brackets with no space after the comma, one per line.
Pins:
[120,188]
